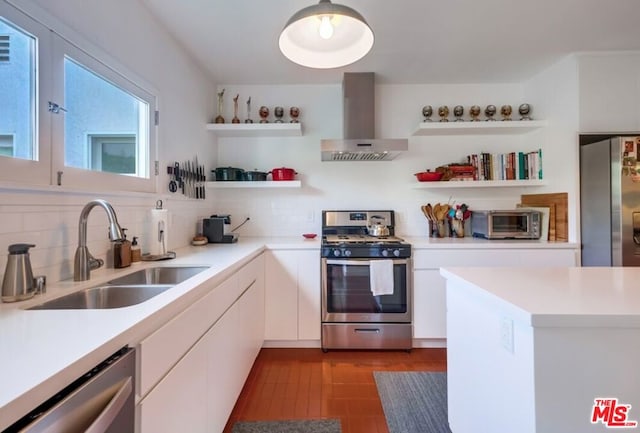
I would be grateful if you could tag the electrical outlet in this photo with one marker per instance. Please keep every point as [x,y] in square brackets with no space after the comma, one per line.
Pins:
[506,334]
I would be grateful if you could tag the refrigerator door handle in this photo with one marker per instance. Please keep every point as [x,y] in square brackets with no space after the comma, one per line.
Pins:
[636,227]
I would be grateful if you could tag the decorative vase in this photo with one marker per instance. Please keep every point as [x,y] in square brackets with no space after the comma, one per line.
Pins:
[264,113]
[235,119]
[248,119]
[219,118]
[278,112]
[294,112]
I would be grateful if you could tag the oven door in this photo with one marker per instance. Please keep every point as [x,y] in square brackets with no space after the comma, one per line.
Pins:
[347,296]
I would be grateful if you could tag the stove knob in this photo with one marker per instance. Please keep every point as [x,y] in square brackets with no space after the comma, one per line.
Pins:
[385,253]
[336,253]
[347,253]
[396,253]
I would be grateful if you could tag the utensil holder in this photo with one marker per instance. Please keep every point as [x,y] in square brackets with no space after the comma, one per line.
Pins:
[456,228]
[438,229]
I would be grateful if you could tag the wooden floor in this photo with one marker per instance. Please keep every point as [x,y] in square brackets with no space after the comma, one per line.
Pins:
[310,384]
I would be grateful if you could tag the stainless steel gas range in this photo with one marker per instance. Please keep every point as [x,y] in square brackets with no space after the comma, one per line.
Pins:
[366,282]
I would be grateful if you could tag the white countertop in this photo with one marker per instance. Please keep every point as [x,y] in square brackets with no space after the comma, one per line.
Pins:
[43,350]
[426,242]
[562,297]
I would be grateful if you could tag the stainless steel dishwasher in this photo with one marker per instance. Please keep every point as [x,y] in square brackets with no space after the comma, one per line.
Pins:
[100,401]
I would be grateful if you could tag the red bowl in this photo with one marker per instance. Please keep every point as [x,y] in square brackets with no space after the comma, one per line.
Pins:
[429,176]
[309,235]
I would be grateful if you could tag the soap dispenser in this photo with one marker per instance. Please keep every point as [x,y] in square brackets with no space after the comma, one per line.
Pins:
[136,252]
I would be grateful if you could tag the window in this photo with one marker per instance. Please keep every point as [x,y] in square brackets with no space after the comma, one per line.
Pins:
[71,118]
[18,90]
[112,153]
[6,145]
[93,103]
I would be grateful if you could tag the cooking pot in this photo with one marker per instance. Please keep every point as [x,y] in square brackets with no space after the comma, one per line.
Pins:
[283,173]
[429,176]
[228,173]
[378,228]
[255,175]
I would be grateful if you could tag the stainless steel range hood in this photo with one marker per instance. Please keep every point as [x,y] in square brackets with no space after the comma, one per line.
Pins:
[359,142]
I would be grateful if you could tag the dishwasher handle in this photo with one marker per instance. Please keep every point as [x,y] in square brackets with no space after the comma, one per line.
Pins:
[104,420]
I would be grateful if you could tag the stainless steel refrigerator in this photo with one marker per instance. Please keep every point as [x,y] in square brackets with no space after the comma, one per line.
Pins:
[610,201]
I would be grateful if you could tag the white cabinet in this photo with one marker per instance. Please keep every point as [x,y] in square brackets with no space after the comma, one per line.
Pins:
[429,304]
[195,388]
[429,288]
[292,304]
[179,402]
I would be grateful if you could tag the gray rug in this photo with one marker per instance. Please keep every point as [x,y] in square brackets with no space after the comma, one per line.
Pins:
[293,426]
[413,401]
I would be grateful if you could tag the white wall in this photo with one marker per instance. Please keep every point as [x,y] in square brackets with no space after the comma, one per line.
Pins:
[135,44]
[366,185]
[554,93]
[609,92]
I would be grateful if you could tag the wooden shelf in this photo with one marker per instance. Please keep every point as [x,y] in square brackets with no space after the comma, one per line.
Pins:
[497,127]
[480,184]
[256,184]
[255,129]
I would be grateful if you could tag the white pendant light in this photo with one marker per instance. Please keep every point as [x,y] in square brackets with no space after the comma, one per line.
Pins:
[326,36]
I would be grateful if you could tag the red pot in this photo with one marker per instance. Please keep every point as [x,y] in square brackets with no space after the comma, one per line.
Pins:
[283,173]
[429,176]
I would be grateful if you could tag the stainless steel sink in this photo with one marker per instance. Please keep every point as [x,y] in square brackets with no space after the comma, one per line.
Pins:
[159,275]
[103,297]
[130,289]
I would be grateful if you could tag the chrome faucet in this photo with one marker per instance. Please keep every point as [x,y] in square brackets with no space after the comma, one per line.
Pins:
[84,262]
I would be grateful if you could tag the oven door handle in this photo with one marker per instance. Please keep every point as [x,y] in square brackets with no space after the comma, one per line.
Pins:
[364,262]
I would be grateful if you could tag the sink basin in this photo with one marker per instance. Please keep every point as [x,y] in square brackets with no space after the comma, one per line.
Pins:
[159,275]
[103,297]
[130,289]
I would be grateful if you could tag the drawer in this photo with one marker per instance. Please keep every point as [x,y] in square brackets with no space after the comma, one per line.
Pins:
[437,258]
[164,348]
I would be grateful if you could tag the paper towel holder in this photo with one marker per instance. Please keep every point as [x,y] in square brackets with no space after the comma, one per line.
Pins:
[164,255]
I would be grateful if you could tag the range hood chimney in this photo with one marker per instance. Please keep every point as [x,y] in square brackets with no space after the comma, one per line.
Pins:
[359,142]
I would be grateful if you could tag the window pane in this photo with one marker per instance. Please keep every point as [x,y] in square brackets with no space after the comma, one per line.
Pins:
[17,92]
[105,127]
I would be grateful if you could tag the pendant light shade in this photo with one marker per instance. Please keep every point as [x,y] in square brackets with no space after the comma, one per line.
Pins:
[326,36]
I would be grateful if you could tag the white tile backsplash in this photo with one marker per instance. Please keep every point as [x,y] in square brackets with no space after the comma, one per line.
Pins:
[50,221]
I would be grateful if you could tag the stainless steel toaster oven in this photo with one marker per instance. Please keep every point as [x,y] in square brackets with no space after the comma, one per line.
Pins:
[506,224]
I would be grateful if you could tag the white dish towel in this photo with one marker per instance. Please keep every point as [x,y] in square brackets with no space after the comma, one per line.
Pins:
[381,277]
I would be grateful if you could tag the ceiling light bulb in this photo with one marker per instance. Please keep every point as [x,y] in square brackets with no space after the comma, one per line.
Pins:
[326,35]
[326,28]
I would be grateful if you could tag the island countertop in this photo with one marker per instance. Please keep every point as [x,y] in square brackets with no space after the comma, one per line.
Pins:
[563,297]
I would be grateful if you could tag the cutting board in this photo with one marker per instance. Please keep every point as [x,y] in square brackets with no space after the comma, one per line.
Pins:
[558,204]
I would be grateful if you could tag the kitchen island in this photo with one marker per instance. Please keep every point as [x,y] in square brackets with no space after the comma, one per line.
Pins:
[531,350]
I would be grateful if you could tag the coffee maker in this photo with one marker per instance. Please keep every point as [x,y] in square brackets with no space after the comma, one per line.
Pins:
[217,229]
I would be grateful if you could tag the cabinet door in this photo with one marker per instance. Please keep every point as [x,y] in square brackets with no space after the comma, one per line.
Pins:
[281,295]
[429,304]
[223,368]
[308,295]
[179,401]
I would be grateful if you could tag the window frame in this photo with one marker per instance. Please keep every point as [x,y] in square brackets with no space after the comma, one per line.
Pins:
[35,171]
[54,43]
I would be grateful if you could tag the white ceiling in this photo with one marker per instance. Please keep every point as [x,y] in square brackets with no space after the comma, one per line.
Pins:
[416,41]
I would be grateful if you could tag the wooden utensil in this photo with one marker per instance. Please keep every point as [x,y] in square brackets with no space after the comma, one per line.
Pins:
[436,211]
